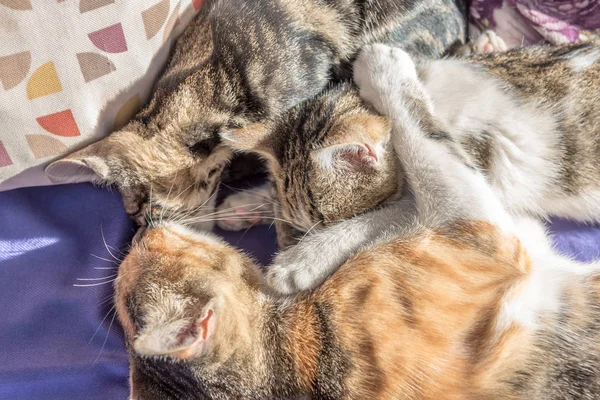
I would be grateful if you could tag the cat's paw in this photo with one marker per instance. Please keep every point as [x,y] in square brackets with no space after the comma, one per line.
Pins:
[487,42]
[297,269]
[290,278]
[243,210]
[379,69]
[282,280]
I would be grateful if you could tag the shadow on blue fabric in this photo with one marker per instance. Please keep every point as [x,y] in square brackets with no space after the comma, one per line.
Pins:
[59,249]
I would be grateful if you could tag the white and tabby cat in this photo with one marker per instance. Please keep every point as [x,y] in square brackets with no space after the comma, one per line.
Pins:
[527,118]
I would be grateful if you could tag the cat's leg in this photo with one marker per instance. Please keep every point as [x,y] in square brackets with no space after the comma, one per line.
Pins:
[246,208]
[445,187]
[307,264]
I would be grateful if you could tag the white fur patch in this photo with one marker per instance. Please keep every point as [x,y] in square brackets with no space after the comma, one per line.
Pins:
[580,63]
[542,290]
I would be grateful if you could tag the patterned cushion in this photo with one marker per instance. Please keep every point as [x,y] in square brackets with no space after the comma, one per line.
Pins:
[72,71]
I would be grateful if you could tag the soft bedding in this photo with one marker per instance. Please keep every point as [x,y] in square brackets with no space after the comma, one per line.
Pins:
[72,71]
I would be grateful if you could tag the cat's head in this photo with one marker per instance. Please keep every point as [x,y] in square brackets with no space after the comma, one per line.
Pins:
[330,158]
[157,175]
[185,295]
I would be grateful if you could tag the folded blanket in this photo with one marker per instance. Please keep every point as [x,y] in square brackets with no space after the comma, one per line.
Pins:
[525,22]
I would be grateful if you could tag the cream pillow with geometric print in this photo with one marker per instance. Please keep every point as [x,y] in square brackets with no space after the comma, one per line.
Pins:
[71,71]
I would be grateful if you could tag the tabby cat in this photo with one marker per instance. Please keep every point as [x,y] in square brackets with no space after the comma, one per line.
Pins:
[459,300]
[528,119]
[242,62]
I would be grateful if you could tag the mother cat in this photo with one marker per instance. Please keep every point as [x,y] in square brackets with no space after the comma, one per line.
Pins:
[458,301]
[241,62]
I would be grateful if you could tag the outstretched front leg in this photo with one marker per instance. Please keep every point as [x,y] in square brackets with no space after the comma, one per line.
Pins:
[444,185]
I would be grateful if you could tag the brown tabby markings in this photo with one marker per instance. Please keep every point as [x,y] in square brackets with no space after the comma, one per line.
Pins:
[402,314]
[562,83]
[307,196]
[238,63]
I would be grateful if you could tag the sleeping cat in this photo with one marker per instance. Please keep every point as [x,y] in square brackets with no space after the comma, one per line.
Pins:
[527,119]
[242,62]
[460,300]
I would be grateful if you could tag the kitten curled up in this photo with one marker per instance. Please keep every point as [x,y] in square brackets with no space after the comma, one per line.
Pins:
[527,119]
[458,298]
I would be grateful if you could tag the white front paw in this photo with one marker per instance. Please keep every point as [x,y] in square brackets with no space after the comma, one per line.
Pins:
[281,278]
[295,270]
[489,42]
[378,69]
[293,278]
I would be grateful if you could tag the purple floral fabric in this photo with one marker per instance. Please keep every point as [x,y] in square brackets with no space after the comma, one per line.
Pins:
[525,22]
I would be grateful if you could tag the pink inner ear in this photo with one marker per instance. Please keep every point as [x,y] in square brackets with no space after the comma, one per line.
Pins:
[370,152]
[194,330]
[204,324]
[187,334]
[360,154]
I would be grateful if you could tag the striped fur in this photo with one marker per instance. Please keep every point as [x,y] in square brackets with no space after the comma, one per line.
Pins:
[242,62]
[526,118]
[416,317]
[454,298]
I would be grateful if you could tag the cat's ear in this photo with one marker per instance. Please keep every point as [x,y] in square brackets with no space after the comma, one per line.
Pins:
[358,143]
[254,138]
[350,154]
[89,164]
[182,338]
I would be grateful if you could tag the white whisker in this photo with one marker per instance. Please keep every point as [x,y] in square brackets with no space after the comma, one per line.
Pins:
[106,338]
[101,322]
[93,284]
[230,209]
[96,279]
[308,231]
[104,259]
[162,212]
[253,193]
[106,245]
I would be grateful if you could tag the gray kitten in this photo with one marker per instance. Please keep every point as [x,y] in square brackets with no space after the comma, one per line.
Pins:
[527,119]
[239,63]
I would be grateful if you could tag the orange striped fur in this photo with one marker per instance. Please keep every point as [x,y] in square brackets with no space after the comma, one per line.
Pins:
[413,317]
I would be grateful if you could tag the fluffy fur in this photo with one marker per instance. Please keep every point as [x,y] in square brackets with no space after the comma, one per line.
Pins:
[526,118]
[242,62]
[459,299]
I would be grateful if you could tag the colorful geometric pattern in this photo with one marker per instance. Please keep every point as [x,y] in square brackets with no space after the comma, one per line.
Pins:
[14,68]
[72,71]
[17,4]
[43,81]
[155,17]
[61,123]
[110,39]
